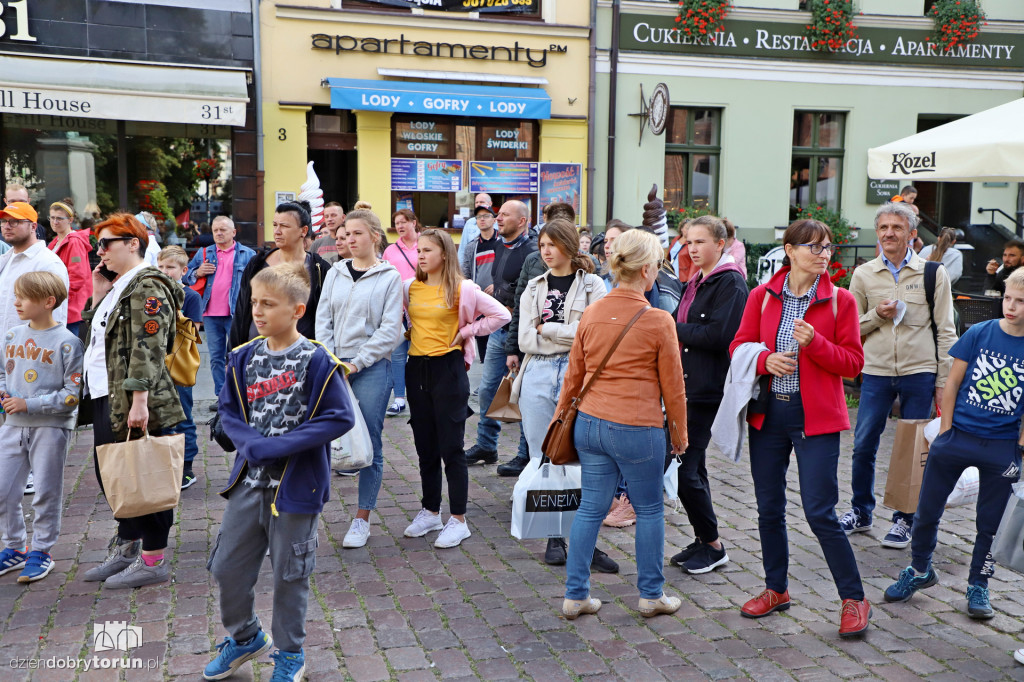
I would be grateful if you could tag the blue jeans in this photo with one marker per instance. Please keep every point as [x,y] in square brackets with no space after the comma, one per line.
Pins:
[538,396]
[950,453]
[187,427]
[487,430]
[217,329]
[817,459]
[399,356]
[606,450]
[372,387]
[877,393]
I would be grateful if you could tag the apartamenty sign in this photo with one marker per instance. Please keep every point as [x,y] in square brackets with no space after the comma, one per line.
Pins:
[740,38]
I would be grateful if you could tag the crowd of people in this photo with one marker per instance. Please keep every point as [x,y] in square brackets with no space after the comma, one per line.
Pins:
[661,348]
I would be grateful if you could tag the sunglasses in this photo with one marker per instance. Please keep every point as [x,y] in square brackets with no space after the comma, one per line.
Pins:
[107,241]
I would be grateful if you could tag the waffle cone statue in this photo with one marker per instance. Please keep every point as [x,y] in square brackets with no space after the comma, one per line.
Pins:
[310,192]
[655,217]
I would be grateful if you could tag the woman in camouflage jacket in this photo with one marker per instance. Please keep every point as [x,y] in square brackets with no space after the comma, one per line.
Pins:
[128,328]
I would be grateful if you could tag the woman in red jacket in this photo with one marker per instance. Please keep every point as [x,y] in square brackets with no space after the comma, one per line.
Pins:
[812,334]
[73,248]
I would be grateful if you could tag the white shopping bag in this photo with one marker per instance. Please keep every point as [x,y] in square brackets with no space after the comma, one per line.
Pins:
[545,500]
[671,483]
[353,450]
[966,490]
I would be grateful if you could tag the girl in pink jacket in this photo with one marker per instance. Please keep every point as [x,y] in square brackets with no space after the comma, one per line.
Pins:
[443,310]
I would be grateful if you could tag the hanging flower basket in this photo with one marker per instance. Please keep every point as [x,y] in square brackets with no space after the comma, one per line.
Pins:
[957,23]
[698,18]
[831,25]
[206,168]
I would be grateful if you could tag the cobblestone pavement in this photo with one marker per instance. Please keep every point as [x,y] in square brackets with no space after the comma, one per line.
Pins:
[490,609]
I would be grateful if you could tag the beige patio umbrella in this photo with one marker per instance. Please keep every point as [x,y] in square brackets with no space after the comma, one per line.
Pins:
[988,145]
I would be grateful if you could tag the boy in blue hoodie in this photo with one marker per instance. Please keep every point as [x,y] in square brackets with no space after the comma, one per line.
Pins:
[283,401]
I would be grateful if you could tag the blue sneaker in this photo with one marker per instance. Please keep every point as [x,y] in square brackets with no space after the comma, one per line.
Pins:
[288,666]
[11,560]
[900,535]
[854,521]
[37,566]
[978,605]
[233,655]
[908,583]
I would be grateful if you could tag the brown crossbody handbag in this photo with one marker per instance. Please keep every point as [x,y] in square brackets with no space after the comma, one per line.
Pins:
[558,443]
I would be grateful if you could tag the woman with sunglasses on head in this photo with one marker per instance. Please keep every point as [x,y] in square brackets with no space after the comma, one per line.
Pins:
[72,247]
[810,333]
[128,327]
[291,227]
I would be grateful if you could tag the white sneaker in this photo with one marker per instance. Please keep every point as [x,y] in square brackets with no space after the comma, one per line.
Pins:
[30,484]
[454,533]
[424,523]
[357,535]
[1018,655]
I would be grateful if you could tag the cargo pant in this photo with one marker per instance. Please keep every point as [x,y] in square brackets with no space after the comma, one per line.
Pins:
[247,530]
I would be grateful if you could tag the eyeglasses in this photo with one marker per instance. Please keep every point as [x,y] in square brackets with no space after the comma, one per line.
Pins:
[13,223]
[816,249]
[107,241]
[58,219]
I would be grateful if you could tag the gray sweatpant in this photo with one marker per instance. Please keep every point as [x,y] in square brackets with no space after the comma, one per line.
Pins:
[41,450]
[246,531]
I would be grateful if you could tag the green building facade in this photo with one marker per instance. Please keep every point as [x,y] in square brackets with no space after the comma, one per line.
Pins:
[759,123]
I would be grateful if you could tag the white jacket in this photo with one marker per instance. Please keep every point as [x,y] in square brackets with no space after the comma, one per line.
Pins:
[557,337]
[741,387]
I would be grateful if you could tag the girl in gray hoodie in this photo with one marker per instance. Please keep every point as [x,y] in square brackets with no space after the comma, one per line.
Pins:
[359,318]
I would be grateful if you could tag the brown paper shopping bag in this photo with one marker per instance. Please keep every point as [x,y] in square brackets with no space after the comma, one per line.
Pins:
[142,476]
[500,408]
[906,466]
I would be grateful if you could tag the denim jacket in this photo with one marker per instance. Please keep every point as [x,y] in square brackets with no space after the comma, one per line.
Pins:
[243,254]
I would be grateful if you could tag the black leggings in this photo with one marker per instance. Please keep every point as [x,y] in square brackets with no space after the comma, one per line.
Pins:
[152,529]
[437,388]
[694,491]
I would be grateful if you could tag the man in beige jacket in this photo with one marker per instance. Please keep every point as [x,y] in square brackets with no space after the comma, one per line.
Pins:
[900,354]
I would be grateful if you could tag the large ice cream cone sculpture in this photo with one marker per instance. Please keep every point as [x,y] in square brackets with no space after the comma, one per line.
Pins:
[310,192]
[654,216]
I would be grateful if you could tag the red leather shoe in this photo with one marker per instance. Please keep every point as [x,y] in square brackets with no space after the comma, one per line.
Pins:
[853,619]
[767,602]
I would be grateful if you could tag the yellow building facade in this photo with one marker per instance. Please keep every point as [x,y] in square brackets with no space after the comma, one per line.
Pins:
[419,109]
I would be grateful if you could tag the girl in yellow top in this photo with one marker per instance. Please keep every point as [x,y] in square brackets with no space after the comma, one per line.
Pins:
[443,309]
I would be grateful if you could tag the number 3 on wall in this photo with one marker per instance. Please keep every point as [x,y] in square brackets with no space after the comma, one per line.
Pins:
[282,134]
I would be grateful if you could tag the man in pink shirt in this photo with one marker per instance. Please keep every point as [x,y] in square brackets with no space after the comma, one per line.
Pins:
[221,265]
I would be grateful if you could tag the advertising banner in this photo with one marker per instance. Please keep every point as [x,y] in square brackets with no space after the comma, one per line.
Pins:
[426,175]
[503,177]
[504,6]
[452,99]
[561,182]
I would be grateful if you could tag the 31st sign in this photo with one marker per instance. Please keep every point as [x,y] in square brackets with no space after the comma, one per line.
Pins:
[14,21]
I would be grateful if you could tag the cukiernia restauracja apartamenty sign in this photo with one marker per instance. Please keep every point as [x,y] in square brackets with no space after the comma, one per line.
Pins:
[766,40]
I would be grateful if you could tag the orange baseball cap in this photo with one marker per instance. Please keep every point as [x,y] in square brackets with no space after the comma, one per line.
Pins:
[19,210]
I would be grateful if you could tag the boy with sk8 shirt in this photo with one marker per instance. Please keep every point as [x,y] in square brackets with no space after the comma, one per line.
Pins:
[283,401]
[173,262]
[39,381]
[981,427]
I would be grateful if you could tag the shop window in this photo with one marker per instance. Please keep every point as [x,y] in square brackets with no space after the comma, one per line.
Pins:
[692,151]
[106,165]
[816,172]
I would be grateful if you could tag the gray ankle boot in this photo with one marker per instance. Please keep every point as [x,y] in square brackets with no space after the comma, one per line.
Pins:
[122,554]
